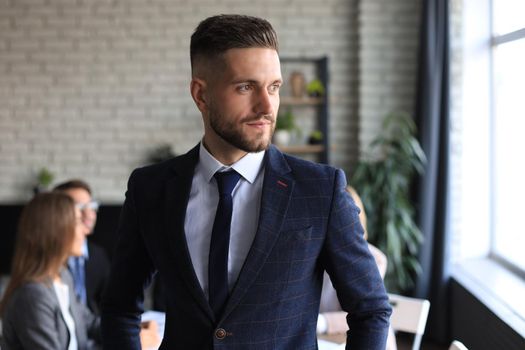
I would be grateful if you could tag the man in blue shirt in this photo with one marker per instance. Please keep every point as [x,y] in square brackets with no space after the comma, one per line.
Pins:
[90,271]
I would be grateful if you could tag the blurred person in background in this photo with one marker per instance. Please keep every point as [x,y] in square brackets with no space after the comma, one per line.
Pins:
[39,309]
[90,270]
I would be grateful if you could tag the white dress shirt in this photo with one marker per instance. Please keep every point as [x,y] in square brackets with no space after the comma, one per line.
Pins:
[62,293]
[202,205]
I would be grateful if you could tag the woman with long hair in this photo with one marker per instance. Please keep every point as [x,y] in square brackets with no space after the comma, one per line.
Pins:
[39,309]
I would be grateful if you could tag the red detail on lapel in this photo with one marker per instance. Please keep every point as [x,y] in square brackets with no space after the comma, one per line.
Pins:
[279,182]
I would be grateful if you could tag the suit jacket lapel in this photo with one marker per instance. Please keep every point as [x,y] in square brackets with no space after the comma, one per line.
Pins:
[77,311]
[177,195]
[276,193]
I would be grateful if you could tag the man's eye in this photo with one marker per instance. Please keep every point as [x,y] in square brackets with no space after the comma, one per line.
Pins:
[245,87]
[274,87]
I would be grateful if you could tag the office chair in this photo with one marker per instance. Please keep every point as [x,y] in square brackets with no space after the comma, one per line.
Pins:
[409,315]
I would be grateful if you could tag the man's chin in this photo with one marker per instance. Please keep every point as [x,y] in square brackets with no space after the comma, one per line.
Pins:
[257,147]
[250,146]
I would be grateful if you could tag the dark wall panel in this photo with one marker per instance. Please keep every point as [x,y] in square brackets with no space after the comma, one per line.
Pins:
[477,326]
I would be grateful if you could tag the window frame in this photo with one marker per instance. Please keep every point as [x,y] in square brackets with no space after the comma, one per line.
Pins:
[495,41]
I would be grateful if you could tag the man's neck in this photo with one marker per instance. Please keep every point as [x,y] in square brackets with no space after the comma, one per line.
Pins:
[225,153]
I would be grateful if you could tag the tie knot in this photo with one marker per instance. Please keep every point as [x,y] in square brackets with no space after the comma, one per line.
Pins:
[226,181]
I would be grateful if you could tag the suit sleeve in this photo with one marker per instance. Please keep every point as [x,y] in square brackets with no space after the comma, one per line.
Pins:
[33,318]
[97,276]
[131,272]
[354,273]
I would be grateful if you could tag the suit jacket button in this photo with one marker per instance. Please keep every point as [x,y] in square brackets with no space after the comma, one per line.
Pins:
[220,333]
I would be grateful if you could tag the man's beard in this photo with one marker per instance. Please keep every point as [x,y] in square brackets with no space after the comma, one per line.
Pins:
[231,132]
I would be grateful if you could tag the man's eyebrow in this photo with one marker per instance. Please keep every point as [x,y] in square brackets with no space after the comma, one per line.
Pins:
[255,82]
[240,81]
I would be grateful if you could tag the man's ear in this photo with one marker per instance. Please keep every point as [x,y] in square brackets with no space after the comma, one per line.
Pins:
[198,89]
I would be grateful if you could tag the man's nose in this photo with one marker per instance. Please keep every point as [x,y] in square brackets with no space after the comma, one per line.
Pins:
[264,102]
[88,212]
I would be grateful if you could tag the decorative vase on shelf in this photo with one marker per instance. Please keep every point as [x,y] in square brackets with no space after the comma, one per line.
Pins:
[297,84]
[282,137]
[284,126]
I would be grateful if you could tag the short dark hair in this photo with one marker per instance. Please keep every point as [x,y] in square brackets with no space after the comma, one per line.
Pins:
[73,184]
[217,34]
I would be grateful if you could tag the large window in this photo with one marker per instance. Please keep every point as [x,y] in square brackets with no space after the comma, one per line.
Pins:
[488,132]
[507,133]
[487,146]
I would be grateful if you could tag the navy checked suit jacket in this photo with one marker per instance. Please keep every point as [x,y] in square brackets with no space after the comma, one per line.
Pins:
[307,224]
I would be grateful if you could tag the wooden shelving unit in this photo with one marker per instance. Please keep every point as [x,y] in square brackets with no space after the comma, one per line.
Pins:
[301,101]
[319,104]
[303,149]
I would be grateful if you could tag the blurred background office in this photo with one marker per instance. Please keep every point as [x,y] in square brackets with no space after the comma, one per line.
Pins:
[93,89]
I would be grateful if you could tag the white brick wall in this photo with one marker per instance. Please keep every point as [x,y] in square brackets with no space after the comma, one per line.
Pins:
[88,88]
[389,40]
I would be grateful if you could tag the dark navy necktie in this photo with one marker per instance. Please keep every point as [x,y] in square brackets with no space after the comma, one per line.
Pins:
[220,242]
[79,281]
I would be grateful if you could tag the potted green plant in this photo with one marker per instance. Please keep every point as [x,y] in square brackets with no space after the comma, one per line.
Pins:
[315,88]
[44,178]
[384,181]
[284,126]
[316,137]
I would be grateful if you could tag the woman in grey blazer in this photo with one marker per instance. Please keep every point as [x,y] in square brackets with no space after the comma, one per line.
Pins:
[39,309]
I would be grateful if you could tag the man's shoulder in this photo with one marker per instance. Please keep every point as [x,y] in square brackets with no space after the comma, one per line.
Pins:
[308,175]
[167,167]
[156,168]
[305,169]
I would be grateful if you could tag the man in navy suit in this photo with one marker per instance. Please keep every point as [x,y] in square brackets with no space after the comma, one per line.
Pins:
[292,220]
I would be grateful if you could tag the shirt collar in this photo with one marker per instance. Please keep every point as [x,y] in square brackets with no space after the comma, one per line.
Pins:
[248,166]
[82,258]
[85,250]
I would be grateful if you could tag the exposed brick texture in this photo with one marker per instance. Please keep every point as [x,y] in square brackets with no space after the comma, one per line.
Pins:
[89,88]
[389,41]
